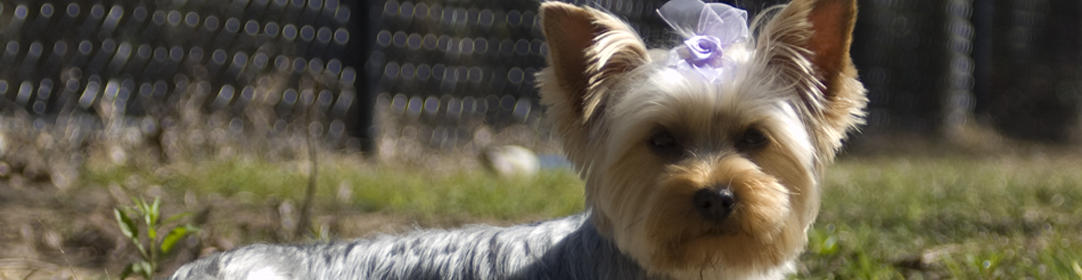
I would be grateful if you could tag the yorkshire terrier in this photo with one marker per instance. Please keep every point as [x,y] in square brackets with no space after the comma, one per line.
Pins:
[700,161]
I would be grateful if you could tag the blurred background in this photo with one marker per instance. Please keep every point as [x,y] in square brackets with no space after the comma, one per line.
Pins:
[354,72]
[239,105]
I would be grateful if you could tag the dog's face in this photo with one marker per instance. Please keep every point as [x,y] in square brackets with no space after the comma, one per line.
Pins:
[686,174]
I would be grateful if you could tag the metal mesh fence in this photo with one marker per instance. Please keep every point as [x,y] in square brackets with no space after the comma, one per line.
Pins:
[138,57]
[1028,55]
[444,67]
[448,67]
[901,53]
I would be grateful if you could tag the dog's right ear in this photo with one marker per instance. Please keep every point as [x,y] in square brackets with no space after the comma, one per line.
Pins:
[587,49]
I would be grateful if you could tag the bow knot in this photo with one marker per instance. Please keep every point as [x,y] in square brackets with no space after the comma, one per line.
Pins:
[702,51]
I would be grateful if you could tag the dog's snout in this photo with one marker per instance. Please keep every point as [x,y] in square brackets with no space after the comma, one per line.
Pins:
[714,203]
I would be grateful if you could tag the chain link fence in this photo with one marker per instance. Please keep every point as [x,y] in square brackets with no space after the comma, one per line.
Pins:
[439,71]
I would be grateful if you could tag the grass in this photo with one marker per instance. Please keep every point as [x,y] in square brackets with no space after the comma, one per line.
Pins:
[882,217]
[999,218]
[420,194]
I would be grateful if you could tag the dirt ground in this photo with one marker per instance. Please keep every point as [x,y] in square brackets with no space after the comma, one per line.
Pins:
[46,233]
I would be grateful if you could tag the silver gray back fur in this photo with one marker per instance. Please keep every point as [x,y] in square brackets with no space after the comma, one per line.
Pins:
[567,248]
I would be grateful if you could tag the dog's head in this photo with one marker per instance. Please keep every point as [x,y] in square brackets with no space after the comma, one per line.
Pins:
[687,173]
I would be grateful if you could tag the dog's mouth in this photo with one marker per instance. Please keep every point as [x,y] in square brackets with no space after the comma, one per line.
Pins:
[718,231]
[729,227]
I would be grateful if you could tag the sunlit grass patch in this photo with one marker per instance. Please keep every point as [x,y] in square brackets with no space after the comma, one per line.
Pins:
[472,193]
[464,194]
[948,217]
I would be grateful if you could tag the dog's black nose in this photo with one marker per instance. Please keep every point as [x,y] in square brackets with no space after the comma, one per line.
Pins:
[714,203]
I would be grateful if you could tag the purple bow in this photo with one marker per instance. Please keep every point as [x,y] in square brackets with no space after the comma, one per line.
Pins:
[709,29]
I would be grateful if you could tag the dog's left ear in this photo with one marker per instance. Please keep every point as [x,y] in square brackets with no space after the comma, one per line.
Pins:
[819,32]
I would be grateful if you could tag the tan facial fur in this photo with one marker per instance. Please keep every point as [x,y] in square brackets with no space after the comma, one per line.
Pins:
[610,99]
[644,199]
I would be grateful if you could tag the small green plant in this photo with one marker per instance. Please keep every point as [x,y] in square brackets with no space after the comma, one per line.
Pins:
[153,247]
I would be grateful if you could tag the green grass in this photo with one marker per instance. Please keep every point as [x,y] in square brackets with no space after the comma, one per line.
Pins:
[970,218]
[417,193]
[998,218]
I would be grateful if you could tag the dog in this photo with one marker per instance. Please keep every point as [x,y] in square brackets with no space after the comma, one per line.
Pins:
[700,161]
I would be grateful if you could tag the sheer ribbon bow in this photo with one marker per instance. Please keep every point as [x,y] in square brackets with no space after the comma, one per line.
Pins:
[709,30]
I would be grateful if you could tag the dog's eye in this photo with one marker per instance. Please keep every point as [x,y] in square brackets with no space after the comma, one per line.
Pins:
[664,143]
[752,139]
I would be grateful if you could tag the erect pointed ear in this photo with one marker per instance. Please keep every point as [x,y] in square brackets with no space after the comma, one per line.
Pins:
[809,42]
[832,33]
[587,50]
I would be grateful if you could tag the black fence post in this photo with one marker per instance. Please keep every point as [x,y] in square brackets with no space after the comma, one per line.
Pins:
[364,23]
